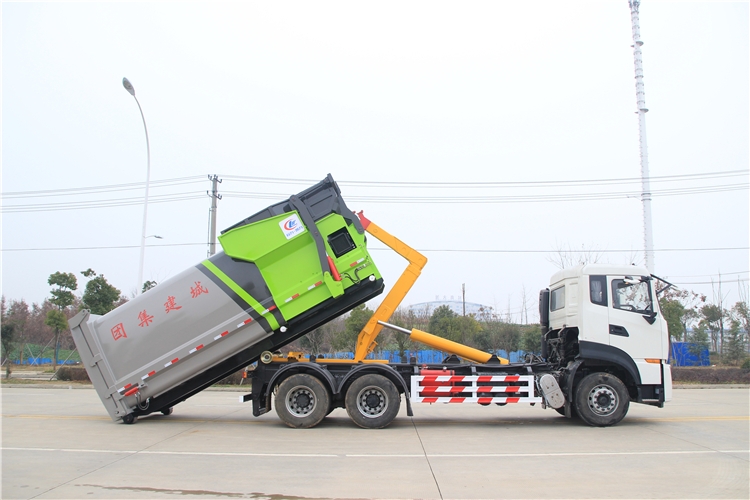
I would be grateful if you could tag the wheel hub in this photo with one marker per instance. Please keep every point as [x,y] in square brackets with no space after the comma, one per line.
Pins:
[372,402]
[603,400]
[300,401]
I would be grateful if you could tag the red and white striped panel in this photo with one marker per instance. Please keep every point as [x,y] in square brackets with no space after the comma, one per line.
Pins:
[484,389]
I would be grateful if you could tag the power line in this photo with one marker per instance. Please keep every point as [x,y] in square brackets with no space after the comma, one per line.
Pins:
[113,247]
[491,184]
[512,198]
[409,184]
[704,275]
[81,205]
[102,189]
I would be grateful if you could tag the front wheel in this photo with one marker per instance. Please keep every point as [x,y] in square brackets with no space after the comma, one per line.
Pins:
[601,399]
[372,401]
[302,401]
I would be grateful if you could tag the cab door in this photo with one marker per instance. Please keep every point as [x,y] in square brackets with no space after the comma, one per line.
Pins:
[634,325]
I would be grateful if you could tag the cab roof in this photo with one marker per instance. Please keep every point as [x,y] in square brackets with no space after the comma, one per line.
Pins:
[598,269]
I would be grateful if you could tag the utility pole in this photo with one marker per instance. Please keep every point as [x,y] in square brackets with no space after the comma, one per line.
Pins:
[648,237]
[215,197]
[463,296]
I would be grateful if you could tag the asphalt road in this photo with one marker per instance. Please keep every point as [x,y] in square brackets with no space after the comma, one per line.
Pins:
[62,444]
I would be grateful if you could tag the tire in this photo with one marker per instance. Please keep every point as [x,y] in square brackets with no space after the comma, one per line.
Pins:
[372,401]
[302,401]
[601,399]
[129,419]
[167,411]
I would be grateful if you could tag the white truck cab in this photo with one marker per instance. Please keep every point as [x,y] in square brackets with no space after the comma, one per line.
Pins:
[606,318]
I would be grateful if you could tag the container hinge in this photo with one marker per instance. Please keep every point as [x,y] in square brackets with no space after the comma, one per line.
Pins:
[96,359]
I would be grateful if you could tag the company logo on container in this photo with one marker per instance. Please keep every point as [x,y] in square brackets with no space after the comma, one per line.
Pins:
[291,226]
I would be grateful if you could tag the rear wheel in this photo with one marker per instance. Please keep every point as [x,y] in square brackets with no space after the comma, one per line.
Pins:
[129,419]
[601,399]
[302,401]
[372,401]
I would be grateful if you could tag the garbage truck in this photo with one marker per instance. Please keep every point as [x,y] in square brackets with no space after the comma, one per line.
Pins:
[302,262]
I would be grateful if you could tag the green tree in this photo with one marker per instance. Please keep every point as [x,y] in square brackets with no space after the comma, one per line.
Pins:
[673,312]
[346,340]
[18,315]
[7,333]
[531,340]
[499,336]
[713,316]
[405,319]
[441,323]
[99,297]
[148,286]
[736,350]
[742,312]
[698,340]
[62,298]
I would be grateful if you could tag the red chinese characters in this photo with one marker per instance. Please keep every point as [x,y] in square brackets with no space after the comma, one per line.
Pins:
[171,305]
[118,332]
[197,289]
[145,318]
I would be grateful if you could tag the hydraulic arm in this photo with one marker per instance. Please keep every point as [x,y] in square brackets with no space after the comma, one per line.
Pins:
[366,340]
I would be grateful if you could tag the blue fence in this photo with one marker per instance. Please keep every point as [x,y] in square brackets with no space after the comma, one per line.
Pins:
[424,356]
[685,354]
[43,361]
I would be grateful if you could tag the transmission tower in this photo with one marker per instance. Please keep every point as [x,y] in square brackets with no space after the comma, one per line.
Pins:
[648,237]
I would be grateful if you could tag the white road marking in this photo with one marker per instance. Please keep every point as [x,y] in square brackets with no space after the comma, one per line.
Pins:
[372,455]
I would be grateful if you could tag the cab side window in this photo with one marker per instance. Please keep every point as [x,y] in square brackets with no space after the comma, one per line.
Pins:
[629,295]
[557,299]
[598,290]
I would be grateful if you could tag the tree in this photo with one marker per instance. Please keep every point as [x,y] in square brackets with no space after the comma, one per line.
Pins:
[673,312]
[698,340]
[62,297]
[148,286]
[66,283]
[499,336]
[99,297]
[319,340]
[353,324]
[531,340]
[444,323]
[713,316]
[7,332]
[569,257]
[18,315]
[736,345]
[741,312]
[404,319]
[690,302]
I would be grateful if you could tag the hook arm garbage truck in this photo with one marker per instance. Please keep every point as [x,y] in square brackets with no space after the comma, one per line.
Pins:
[300,263]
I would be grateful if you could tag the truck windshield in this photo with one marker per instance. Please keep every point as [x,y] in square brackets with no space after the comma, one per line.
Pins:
[629,296]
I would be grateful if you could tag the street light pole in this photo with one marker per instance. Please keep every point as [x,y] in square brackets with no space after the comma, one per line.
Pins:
[129,87]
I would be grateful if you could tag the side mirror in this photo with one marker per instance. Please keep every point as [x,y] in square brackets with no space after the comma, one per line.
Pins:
[650,318]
